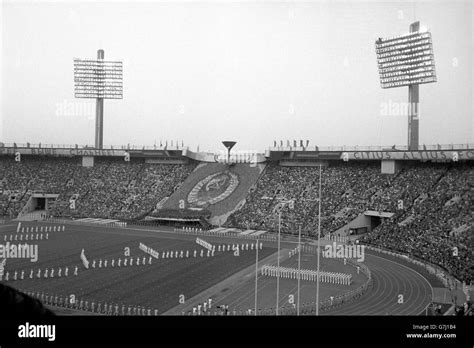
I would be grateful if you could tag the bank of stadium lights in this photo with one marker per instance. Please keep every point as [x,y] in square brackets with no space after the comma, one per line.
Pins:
[98,79]
[407,60]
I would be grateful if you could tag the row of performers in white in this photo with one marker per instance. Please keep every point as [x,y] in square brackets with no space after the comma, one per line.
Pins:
[53,273]
[306,274]
[28,229]
[203,252]
[35,236]
[205,306]
[46,273]
[126,262]
[92,306]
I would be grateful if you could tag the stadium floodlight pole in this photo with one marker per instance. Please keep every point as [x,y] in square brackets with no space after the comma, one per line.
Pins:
[413,106]
[278,262]
[407,60]
[99,113]
[98,79]
[319,243]
[256,277]
[299,270]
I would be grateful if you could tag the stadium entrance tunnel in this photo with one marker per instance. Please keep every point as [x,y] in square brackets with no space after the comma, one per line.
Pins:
[38,202]
[363,223]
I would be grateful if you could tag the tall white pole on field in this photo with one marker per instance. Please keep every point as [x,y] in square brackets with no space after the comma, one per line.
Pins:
[319,244]
[256,277]
[278,262]
[299,270]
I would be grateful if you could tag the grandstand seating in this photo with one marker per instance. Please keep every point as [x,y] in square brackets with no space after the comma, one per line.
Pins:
[439,196]
[436,215]
[431,234]
[112,188]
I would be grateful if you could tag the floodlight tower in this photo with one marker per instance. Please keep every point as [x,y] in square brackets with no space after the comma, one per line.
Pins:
[413,102]
[99,112]
[407,60]
[98,79]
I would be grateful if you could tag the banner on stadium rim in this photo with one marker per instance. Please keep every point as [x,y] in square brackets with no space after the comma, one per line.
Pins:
[408,155]
[61,152]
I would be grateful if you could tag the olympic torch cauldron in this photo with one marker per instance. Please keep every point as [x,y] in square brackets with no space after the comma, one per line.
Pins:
[229,145]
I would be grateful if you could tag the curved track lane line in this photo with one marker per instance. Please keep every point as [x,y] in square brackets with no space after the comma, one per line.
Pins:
[390,279]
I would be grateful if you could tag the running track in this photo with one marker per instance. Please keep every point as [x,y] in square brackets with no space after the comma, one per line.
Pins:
[389,280]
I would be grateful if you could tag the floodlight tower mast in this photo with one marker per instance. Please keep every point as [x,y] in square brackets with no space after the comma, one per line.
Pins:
[99,113]
[98,79]
[413,103]
[407,60]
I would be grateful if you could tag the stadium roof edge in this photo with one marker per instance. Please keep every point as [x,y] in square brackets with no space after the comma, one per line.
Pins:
[288,154]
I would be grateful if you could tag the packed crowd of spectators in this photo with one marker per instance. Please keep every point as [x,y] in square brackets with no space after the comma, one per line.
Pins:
[435,199]
[112,188]
[441,225]
[346,190]
[18,180]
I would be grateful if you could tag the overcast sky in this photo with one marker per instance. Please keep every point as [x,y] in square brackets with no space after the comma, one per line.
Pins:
[253,72]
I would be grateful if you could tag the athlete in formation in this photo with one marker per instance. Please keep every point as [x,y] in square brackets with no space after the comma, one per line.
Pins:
[306,274]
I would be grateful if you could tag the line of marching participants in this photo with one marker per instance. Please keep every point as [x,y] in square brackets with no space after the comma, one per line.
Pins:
[91,306]
[307,274]
[33,232]
[42,228]
[59,272]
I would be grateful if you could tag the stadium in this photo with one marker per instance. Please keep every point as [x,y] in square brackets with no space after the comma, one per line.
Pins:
[293,228]
[414,223]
